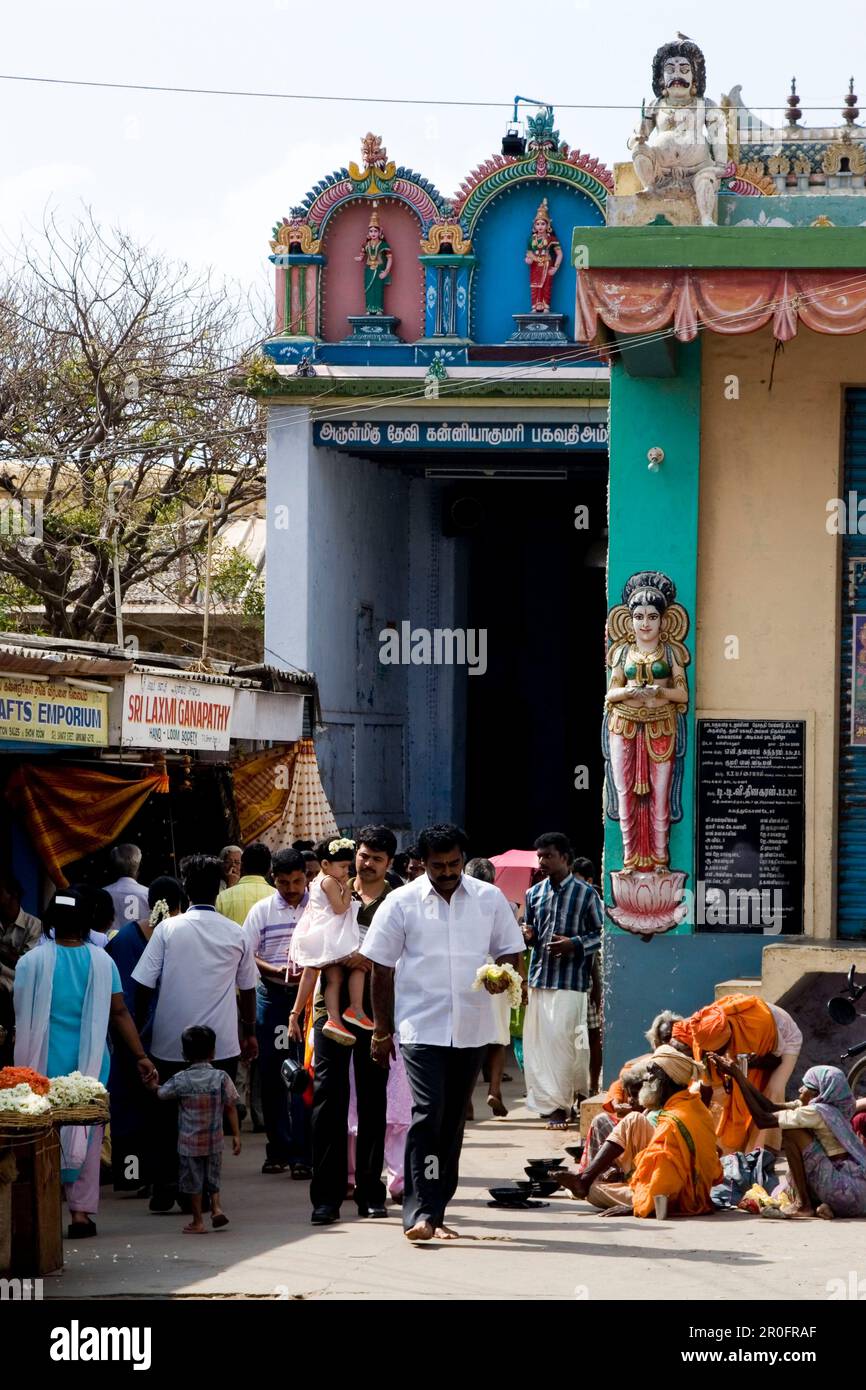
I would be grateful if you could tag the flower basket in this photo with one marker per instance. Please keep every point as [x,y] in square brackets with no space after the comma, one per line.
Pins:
[93,1113]
[13,1119]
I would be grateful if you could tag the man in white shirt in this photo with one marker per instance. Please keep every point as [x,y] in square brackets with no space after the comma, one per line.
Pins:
[270,925]
[199,960]
[427,943]
[127,894]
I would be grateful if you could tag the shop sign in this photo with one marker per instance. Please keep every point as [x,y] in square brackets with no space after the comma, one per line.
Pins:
[751,824]
[501,437]
[181,715]
[52,712]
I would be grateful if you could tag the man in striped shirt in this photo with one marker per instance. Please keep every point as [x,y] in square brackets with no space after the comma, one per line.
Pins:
[269,926]
[563,927]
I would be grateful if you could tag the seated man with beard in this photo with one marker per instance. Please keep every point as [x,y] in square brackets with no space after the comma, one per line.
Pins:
[623,1099]
[667,1154]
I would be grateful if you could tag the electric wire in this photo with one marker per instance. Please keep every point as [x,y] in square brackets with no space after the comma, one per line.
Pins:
[327,97]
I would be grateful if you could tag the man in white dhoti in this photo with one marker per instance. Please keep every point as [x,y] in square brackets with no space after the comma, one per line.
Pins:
[563,926]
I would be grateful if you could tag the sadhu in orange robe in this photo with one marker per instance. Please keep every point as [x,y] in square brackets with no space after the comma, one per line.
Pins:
[752,1029]
[681,1161]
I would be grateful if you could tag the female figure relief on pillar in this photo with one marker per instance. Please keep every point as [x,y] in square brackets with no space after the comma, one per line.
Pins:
[544,257]
[644,744]
[377,258]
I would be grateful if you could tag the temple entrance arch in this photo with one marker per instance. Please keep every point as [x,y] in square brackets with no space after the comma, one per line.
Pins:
[457,649]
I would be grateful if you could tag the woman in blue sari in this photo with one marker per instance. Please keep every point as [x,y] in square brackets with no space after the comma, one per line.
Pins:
[826,1159]
[67,995]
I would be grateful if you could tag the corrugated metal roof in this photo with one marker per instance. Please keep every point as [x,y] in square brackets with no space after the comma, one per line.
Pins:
[67,656]
[25,661]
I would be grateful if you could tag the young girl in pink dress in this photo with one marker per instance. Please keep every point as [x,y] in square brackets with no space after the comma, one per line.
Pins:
[326,934]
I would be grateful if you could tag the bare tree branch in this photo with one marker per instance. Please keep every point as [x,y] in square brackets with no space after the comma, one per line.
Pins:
[118,367]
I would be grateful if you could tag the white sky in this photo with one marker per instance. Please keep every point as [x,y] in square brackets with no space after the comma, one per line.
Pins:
[204,178]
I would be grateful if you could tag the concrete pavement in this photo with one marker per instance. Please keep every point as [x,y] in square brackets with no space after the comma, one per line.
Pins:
[565,1250]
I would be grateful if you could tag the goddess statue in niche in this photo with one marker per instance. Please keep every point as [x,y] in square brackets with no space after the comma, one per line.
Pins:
[377,258]
[644,742]
[544,257]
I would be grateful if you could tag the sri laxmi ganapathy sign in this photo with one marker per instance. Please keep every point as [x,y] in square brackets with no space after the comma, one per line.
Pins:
[162,712]
[52,712]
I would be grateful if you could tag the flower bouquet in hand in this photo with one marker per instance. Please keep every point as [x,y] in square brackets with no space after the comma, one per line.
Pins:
[496,979]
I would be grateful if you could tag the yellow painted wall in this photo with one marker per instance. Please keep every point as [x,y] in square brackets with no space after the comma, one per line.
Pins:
[768,571]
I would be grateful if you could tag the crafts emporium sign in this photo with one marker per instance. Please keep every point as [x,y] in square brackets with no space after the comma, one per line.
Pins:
[503,438]
[51,712]
[161,712]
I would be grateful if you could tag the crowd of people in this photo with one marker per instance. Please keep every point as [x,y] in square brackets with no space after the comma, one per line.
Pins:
[347,999]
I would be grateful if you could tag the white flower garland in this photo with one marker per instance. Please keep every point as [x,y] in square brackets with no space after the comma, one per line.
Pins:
[496,973]
[23,1101]
[75,1089]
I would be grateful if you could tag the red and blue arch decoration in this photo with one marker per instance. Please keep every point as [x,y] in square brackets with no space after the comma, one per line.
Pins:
[459,273]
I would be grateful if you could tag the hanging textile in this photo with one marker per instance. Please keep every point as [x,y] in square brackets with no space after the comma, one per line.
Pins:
[71,811]
[308,815]
[262,783]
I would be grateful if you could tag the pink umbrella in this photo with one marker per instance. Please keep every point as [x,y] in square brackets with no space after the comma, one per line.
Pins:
[514,870]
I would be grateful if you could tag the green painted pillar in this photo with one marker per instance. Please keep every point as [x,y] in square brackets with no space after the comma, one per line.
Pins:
[654,525]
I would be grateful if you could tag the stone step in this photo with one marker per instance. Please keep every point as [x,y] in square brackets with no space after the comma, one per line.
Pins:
[745,986]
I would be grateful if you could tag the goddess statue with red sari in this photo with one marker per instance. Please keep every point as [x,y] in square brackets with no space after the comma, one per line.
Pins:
[544,257]
[644,743]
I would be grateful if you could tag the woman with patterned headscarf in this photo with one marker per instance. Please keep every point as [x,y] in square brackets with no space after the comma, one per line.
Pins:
[826,1159]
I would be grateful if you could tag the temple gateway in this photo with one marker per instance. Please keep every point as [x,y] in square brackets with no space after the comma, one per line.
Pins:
[606,432]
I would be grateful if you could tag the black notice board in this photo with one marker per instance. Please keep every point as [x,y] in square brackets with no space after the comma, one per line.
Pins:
[751,821]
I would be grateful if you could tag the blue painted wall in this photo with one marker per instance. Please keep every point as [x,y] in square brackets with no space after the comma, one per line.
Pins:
[500,285]
[670,972]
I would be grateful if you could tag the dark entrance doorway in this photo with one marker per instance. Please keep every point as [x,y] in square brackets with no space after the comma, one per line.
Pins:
[535,582]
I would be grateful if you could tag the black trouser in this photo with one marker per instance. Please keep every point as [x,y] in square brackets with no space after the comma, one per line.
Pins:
[165,1128]
[286,1116]
[7,1022]
[331,1121]
[442,1080]
[135,1115]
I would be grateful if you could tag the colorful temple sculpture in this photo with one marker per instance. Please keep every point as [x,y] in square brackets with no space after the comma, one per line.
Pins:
[727,240]
[450,261]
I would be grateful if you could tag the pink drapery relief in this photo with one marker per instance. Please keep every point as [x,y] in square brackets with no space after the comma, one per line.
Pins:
[723,301]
